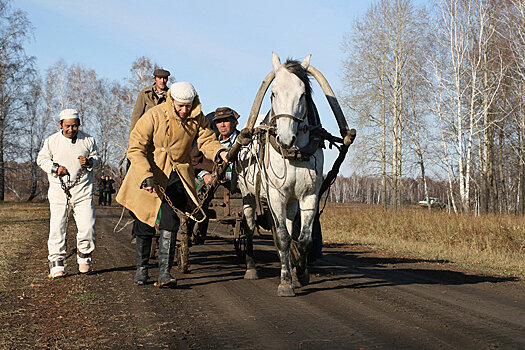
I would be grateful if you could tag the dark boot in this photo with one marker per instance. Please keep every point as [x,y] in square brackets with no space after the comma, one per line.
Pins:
[143,247]
[167,245]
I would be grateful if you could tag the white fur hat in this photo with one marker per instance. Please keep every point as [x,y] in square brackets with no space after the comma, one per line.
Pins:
[183,92]
[69,113]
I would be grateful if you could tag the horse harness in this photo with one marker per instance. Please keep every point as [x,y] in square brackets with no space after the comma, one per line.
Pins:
[267,133]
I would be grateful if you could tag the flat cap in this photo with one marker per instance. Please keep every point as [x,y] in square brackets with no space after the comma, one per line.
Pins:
[161,73]
[224,113]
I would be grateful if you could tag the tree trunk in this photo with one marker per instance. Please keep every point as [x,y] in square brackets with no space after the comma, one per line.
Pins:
[34,182]
[2,164]
[521,151]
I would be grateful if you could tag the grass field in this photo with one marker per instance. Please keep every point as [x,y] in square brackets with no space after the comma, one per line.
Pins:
[22,227]
[494,244]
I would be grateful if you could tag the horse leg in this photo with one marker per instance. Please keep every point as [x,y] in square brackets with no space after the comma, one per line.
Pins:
[249,215]
[304,241]
[279,212]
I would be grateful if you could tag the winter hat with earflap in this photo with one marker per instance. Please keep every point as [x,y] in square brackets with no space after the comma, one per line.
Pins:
[183,92]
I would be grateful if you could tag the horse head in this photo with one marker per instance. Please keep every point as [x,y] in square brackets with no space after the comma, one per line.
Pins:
[290,94]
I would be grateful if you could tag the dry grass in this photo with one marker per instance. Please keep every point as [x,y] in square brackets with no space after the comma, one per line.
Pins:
[19,224]
[493,243]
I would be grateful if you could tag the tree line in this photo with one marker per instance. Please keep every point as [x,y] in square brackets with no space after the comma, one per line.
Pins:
[30,102]
[435,92]
[439,90]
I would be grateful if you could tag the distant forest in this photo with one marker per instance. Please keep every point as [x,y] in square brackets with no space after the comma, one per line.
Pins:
[435,91]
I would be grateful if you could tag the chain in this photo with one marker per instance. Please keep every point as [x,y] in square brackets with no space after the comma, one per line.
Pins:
[67,191]
[67,188]
[177,210]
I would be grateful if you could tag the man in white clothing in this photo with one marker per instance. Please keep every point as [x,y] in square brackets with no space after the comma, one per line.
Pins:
[68,158]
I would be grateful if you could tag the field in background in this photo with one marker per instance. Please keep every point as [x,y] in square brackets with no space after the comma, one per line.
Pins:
[493,243]
[24,229]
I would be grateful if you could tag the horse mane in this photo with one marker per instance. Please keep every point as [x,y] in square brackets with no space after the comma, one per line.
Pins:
[294,67]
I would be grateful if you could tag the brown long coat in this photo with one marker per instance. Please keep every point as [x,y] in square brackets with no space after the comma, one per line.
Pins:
[146,99]
[160,143]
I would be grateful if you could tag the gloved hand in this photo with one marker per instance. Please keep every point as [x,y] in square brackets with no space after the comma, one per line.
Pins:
[147,185]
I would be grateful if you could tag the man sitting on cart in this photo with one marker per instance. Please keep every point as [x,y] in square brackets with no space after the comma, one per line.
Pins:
[225,121]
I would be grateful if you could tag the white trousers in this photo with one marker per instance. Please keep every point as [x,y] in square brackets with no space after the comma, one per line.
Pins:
[84,214]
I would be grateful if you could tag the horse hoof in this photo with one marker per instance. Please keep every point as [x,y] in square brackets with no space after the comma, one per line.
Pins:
[300,279]
[251,274]
[285,290]
[303,278]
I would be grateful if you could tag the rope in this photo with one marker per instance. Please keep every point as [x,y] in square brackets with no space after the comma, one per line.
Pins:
[119,220]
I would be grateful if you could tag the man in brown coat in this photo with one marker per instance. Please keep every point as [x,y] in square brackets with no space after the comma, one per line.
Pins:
[161,176]
[151,96]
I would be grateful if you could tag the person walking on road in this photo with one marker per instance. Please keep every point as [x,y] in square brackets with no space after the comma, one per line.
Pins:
[160,181]
[149,97]
[108,190]
[68,157]
[100,189]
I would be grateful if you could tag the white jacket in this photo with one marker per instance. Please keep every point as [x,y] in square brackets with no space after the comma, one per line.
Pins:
[62,151]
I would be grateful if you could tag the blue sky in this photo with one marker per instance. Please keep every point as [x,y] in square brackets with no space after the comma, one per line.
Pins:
[223,47]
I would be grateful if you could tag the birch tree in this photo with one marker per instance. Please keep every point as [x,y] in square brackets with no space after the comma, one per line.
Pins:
[383,56]
[35,130]
[15,65]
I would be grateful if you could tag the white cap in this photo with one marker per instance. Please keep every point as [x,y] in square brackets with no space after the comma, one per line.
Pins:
[183,92]
[69,113]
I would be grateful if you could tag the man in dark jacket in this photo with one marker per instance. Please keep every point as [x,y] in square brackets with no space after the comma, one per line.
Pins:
[100,188]
[108,189]
[225,121]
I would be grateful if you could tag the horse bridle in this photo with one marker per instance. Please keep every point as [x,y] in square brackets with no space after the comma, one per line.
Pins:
[273,119]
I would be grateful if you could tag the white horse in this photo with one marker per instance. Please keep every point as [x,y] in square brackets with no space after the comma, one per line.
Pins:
[290,186]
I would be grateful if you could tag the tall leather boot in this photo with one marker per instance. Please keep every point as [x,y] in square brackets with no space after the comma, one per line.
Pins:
[167,245]
[143,247]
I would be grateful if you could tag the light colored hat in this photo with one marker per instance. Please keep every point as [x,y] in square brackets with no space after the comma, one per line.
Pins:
[183,92]
[69,113]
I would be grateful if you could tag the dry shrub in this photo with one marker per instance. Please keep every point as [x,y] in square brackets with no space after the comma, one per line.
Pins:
[493,243]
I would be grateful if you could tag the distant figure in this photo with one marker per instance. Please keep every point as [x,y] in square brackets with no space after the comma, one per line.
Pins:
[100,186]
[108,190]
[70,155]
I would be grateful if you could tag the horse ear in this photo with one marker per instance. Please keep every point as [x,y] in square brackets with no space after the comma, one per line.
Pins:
[306,62]
[276,61]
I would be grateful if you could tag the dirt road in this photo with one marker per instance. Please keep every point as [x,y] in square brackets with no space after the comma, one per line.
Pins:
[357,299]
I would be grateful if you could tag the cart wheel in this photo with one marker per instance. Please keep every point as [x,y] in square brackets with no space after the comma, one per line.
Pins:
[239,239]
[240,247]
[182,254]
